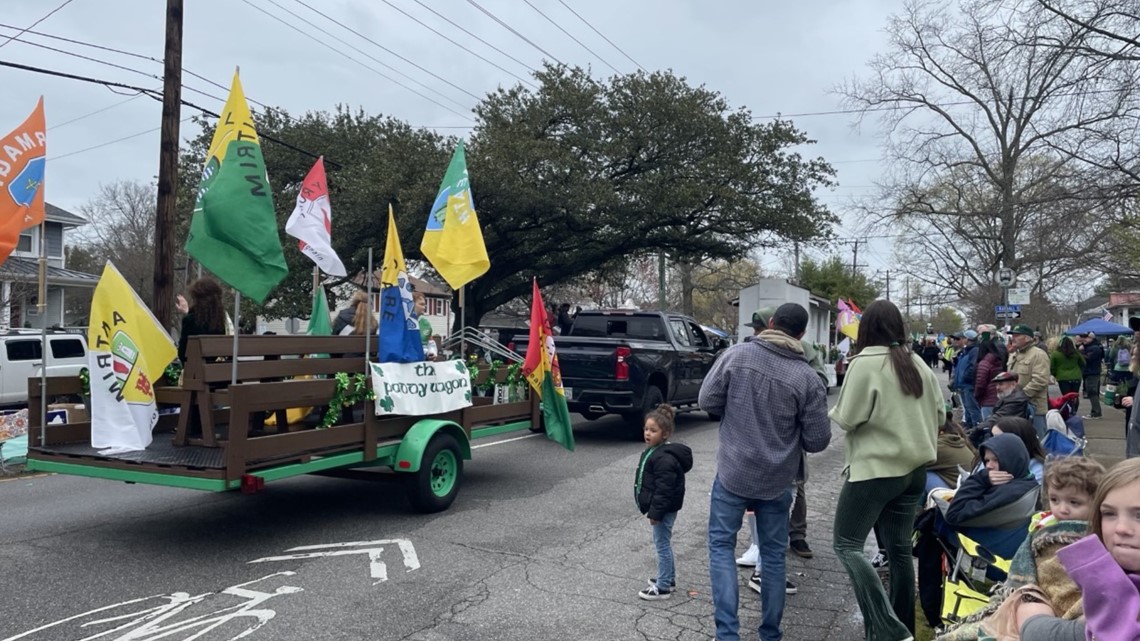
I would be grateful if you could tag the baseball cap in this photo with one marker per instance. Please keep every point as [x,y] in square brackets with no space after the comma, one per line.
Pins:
[970,335]
[761,316]
[1024,330]
[1005,376]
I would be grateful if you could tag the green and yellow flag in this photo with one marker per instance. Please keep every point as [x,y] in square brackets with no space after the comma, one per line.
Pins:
[233,232]
[453,241]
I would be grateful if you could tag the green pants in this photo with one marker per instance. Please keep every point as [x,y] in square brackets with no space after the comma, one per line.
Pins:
[888,505]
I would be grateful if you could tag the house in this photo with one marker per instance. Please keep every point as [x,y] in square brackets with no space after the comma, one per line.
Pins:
[19,275]
[1123,305]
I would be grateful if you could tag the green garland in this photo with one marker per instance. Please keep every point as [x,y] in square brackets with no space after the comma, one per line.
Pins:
[514,374]
[85,382]
[350,390]
[173,372]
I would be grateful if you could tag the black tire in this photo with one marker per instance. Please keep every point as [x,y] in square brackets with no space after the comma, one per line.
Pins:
[713,417]
[425,492]
[653,397]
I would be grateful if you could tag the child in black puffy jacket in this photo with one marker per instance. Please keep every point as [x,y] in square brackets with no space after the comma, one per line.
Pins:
[659,488]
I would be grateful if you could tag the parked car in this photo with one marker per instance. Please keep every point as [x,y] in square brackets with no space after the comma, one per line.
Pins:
[627,362]
[21,358]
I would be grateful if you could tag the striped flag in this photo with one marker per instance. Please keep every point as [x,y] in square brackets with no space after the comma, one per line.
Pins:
[1107,316]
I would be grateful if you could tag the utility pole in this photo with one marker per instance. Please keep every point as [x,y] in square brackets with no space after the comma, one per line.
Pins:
[855,258]
[168,167]
[888,284]
[796,264]
[661,281]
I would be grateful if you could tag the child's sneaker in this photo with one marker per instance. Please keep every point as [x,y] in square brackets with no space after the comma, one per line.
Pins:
[655,592]
[879,560]
[750,559]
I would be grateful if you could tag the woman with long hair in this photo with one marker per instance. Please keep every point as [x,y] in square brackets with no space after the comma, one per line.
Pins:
[890,407]
[204,313]
[1067,366]
[363,320]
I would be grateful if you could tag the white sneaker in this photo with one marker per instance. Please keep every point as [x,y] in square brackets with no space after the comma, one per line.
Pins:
[750,559]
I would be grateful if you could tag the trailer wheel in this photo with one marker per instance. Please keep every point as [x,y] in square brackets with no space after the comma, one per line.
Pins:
[434,487]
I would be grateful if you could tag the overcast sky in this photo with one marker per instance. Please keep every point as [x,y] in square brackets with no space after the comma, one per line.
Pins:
[772,57]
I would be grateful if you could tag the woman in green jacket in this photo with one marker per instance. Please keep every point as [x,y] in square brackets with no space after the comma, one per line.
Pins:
[890,408]
[1067,366]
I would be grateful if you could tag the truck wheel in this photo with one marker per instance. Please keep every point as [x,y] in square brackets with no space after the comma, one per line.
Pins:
[713,417]
[434,487]
[652,398]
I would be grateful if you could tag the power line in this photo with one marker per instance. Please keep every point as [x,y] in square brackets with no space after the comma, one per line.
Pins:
[372,69]
[49,14]
[571,36]
[512,30]
[602,35]
[97,111]
[457,44]
[109,142]
[464,30]
[157,95]
[364,37]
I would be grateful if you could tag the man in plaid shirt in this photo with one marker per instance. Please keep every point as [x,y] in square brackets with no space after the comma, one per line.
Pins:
[773,409]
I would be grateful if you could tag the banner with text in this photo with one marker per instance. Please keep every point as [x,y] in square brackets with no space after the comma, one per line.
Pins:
[417,389]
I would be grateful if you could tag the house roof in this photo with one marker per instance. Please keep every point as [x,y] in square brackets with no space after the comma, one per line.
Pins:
[60,215]
[22,270]
[429,288]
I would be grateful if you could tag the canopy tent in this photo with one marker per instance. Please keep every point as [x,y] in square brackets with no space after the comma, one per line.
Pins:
[719,333]
[1100,327]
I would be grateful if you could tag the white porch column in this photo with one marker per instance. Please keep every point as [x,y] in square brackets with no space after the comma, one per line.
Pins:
[6,307]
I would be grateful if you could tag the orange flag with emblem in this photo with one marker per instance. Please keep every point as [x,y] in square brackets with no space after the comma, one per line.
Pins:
[22,161]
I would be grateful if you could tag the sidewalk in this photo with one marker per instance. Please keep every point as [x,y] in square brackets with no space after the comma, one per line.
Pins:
[1105,435]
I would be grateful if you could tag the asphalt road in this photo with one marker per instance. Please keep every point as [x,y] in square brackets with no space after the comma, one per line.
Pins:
[540,544]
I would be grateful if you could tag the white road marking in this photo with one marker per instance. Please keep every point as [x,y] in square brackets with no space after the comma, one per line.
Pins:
[508,440]
[377,568]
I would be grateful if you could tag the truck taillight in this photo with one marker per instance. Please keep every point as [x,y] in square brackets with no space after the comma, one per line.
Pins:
[621,364]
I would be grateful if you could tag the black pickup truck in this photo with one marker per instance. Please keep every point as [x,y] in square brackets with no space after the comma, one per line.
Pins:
[627,362]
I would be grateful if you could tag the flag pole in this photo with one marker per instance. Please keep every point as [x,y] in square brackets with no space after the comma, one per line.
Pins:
[368,322]
[45,353]
[462,325]
[316,280]
[237,330]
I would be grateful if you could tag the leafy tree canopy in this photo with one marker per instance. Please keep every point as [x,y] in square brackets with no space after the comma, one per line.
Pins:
[833,280]
[568,179]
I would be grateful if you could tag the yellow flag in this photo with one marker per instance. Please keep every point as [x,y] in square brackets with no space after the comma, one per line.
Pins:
[127,351]
[453,240]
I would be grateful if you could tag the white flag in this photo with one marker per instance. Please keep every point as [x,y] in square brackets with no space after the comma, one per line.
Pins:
[311,222]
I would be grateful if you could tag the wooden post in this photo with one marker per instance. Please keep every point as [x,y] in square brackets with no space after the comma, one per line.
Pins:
[168,168]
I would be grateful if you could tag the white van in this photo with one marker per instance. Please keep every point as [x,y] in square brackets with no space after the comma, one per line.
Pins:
[21,357]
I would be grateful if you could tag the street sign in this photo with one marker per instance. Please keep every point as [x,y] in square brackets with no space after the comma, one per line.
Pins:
[1007,308]
[1018,295]
[1005,277]
[1008,314]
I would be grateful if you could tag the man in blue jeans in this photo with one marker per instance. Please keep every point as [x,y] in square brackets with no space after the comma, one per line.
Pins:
[965,371]
[772,409]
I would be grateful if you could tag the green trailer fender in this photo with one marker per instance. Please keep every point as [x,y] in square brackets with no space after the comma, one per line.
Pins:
[411,450]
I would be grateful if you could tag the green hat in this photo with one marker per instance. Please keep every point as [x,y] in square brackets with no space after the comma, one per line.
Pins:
[761,317]
[1024,330]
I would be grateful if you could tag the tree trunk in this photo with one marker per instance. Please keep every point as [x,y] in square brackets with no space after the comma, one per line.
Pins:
[686,271]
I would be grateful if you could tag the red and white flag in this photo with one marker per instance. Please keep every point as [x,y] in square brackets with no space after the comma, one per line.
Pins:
[311,222]
[1108,316]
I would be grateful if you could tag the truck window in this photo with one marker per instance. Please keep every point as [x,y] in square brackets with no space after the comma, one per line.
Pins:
[637,327]
[25,350]
[67,348]
[680,332]
[698,336]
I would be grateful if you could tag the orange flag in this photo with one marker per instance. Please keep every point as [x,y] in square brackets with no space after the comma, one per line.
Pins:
[22,162]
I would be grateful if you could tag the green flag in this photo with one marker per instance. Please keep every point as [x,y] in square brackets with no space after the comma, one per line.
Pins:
[319,318]
[233,232]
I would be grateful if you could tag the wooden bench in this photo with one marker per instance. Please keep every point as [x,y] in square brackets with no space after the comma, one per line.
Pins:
[208,375]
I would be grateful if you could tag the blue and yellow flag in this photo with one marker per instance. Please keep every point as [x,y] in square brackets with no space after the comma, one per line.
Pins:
[399,334]
[453,241]
[22,162]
